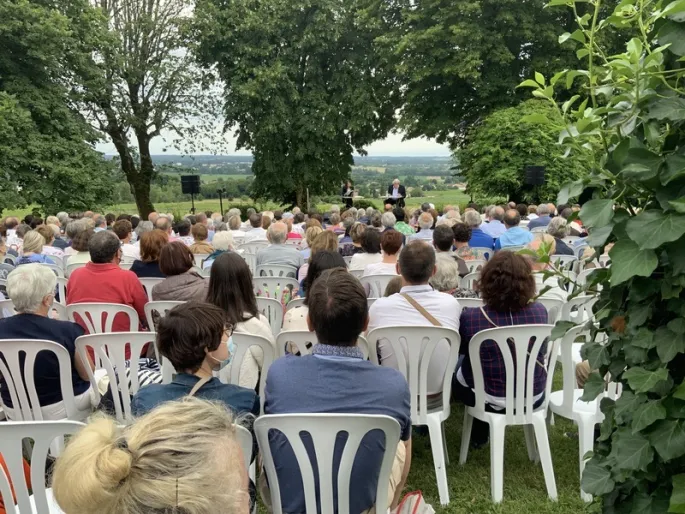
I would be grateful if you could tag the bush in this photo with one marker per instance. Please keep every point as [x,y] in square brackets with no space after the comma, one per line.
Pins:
[243,209]
[364,204]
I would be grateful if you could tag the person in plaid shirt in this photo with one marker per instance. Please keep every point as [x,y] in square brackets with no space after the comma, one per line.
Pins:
[508,288]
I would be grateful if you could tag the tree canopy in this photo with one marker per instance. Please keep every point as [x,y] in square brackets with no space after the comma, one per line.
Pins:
[496,151]
[305,86]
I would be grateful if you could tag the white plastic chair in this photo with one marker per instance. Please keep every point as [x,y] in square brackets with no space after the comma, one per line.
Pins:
[273,310]
[566,262]
[553,306]
[513,248]
[567,403]
[273,287]
[538,230]
[92,315]
[148,284]
[5,269]
[347,259]
[110,350]
[71,267]
[253,246]
[301,338]
[276,270]
[470,280]
[126,265]
[475,265]
[7,309]
[377,283]
[578,309]
[57,270]
[59,261]
[359,273]
[243,342]
[62,289]
[413,348]
[570,240]
[20,381]
[473,303]
[43,434]
[578,250]
[481,250]
[10,259]
[161,308]
[324,430]
[199,258]
[520,368]
[296,302]
[251,261]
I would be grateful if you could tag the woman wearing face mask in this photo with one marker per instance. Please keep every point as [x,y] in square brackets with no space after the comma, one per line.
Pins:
[195,338]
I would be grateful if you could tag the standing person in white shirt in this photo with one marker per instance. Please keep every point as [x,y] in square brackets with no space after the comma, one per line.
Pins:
[255,232]
[124,230]
[417,265]
[391,243]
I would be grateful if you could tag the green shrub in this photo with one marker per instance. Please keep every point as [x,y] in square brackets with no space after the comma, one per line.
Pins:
[364,204]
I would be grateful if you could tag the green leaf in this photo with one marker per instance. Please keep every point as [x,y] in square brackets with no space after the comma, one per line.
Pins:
[668,344]
[540,79]
[641,164]
[676,256]
[599,236]
[668,439]
[529,83]
[678,205]
[677,326]
[651,229]
[677,503]
[596,479]
[594,386]
[679,392]
[536,119]
[628,403]
[631,451]
[644,338]
[648,414]
[671,108]
[596,354]
[673,33]
[629,261]
[597,213]
[564,37]
[560,329]
[675,168]
[642,380]
[570,190]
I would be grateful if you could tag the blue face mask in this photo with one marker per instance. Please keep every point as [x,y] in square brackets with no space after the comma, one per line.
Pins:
[231,351]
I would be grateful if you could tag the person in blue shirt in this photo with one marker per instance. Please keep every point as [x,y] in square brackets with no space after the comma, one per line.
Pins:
[31,251]
[479,239]
[515,235]
[336,378]
[495,228]
[195,339]
[543,218]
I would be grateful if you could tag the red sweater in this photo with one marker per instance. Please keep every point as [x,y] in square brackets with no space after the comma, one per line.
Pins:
[107,283]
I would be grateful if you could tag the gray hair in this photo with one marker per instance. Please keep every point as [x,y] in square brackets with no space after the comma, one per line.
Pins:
[234,222]
[220,226]
[100,220]
[335,218]
[103,246]
[144,226]
[55,230]
[278,233]
[223,241]
[74,228]
[28,284]
[396,181]
[558,227]
[388,219]
[63,217]
[361,213]
[497,213]
[543,209]
[335,208]
[453,215]
[425,220]
[472,219]
[446,275]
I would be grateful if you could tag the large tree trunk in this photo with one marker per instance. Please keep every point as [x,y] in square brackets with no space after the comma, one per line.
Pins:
[301,198]
[142,186]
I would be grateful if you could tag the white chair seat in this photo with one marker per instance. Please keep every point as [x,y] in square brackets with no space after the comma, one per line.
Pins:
[557,397]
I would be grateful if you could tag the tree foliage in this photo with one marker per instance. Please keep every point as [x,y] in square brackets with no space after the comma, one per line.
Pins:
[46,147]
[494,154]
[633,115]
[305,87]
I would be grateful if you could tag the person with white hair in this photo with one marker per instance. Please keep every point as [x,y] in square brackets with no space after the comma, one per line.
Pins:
[558,229]
[32,250]
[223,242]
[388,220]
[278,253]
[63,218]
[396,193]
[335,209]
[425,232]
[543,218]
[32,290]
[495,227]
[479,239]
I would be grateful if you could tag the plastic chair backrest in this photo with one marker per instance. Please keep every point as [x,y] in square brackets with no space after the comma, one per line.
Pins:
[253,247]
[10,259]
[276,270]
[485,252]
[273,310]
[301,338]
[472,303]
[92,315]
[231,373]
[323,430]
[570,240]
[57,270]
[604,261]
[126,265]
[161,308]
[5,269]
[519,367]
[244,437]
[295,302]
[553,306]
[110,350]
[273,287]
[475,265]
[20,380]
[347,259]
[148,284]
[7,309]
[470,280]
[513,248]
[413,348]
[251,261]
[359,273]
[199,258]
[62,289]
[538,230]
[567,262]
[377,283]
[59,261]
[578,309]
[71,267]
[578,250]
[12,435]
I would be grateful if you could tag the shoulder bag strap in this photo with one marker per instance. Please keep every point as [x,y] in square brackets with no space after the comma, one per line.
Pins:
[198,385]
[423,311]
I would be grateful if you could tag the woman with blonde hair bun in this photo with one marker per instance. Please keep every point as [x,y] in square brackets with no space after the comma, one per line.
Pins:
[182,456]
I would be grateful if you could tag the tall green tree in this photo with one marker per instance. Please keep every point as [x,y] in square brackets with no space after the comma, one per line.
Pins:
[141,83]
[46,147]
[461,59]
[305,86]
[496,151]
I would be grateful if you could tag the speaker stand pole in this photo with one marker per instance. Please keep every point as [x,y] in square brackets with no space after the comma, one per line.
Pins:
[192,199]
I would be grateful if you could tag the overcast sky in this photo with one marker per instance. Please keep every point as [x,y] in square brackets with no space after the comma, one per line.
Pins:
[392,146]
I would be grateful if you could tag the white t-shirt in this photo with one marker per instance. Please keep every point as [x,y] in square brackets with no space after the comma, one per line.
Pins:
[381,268]
[361,260]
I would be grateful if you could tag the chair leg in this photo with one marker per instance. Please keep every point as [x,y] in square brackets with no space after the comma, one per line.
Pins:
[438,458]
[529,434]
[444,444]
[586,435]
[550,418]
[545,456]
[465,437]
[497,428]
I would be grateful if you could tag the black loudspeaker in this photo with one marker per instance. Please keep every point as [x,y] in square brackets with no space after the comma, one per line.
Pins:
[535,176]
[190,184]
